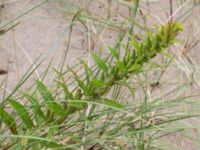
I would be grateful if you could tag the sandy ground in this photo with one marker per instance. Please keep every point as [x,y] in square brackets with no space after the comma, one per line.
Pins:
[46,29]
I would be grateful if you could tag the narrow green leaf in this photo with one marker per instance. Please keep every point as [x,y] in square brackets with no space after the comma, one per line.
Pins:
[49,99]
[68,94]
[135,68]
[81,83]
[8,120]
[100,62]
[36,106]
[135,43]
[111,103]
[178,26]
[114,53]
[88,72]
[77,103]
[78,94]
[51,145]
[127,53]
[98,83]
[35,146]
[22,112]
[121,66]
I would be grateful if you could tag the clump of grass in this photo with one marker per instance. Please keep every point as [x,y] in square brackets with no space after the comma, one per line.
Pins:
[40,123]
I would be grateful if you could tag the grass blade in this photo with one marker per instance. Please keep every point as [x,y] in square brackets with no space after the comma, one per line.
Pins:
[111,103]
[49,99]
[8,120]
[22,112]
[100,62]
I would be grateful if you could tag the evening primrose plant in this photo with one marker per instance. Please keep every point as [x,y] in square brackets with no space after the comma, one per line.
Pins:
[56,121]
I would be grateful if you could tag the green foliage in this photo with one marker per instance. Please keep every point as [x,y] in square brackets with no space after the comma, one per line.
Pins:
[8,120]
[46,109]
[100,62]
[22,112]
[112,103]
[49,99]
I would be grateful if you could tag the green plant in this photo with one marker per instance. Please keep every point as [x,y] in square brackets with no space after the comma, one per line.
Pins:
[40,120]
